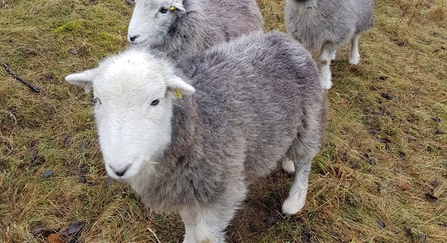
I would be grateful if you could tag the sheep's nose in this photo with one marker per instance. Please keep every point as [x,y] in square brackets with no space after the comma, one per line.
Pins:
[133,38]
[120,173]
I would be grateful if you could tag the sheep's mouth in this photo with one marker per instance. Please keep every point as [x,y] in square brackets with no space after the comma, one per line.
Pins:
[144,42]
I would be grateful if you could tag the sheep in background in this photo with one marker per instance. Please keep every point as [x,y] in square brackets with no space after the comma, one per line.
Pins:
[327,25]
[246,105]
[181,27]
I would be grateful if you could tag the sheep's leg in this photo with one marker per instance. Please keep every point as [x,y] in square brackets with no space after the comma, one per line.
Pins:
[354,58]
[326,55]
[189,219]
[211,224]
[207,225]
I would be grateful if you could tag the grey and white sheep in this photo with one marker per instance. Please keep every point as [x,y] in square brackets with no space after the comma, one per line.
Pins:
[190,138]
[181,27]
[326,25]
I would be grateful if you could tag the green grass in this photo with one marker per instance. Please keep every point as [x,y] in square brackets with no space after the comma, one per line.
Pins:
[381,167]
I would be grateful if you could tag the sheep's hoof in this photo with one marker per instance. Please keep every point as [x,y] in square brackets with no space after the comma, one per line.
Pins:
[293,204]
[326,84]
[288,166]
[325,77]
[354,60]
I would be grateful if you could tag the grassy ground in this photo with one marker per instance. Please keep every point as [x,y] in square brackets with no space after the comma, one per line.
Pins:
[381,175]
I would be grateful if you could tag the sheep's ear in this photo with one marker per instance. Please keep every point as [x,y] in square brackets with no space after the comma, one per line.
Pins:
[180,87]
[177,6]
[84,79]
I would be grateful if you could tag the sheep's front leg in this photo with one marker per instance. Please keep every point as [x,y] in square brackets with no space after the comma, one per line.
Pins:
[206,225]
[189,219]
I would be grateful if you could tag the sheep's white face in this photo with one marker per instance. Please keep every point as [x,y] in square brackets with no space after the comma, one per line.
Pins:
[133,94]
[153,21]
[132,118]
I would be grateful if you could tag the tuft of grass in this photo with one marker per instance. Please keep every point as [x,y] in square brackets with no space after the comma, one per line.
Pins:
[381,175]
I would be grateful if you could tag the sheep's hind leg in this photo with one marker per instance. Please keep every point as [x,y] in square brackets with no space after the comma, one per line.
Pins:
[354,58]
[288,166]
[297,195]
[301,152]
[327,54]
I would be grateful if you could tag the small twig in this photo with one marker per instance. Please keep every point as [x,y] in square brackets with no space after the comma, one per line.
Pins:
[32,87]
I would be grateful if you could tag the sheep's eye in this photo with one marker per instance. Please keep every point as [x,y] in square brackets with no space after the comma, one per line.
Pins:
[96,100]
[155,102]
[163,10]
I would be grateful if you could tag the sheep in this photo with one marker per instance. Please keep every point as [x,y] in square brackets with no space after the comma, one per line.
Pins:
[189,138]
[326,26]
[182,27]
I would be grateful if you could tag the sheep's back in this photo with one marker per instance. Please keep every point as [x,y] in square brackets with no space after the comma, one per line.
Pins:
[234,17]
[259,88]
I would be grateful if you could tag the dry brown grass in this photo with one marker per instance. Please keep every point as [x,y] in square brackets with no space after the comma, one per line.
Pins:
[381,175]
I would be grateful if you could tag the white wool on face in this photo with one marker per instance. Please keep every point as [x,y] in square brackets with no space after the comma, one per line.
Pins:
[132,132]
[149,23]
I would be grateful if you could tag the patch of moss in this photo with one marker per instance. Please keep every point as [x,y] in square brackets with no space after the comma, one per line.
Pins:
[76,26]
[106,36]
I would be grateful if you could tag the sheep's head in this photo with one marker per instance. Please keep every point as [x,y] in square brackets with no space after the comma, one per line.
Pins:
[134,93]
[153,21]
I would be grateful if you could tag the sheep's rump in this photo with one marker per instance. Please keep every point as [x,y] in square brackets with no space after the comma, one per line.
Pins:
[315,22]
[254,96]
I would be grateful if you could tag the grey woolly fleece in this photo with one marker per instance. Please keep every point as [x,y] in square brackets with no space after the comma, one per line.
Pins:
[210,22]
[315,22]
[255,97]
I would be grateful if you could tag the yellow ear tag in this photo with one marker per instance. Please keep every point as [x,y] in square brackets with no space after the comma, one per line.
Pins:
[178,93]
[172,8]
